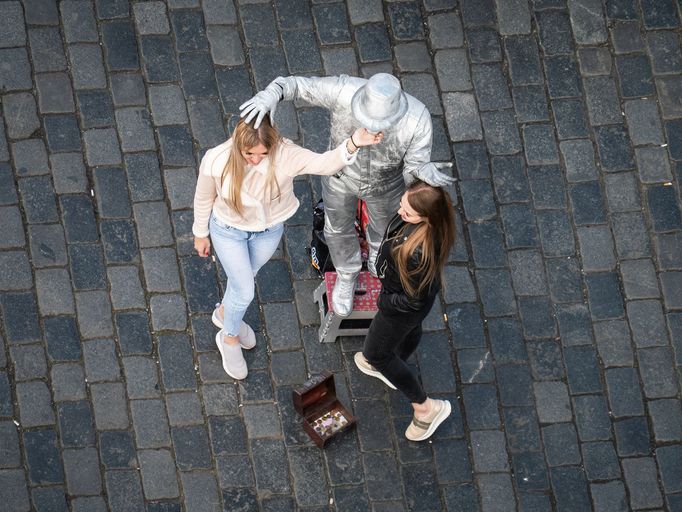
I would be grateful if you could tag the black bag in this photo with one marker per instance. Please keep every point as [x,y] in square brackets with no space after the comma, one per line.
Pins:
[319,252]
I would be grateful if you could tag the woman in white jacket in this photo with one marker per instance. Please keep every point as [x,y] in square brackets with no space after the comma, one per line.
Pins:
[243,196]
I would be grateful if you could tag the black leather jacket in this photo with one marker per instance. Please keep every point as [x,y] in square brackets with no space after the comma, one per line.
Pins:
[393,299]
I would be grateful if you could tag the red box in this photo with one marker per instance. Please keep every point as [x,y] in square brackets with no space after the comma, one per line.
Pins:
[324,417]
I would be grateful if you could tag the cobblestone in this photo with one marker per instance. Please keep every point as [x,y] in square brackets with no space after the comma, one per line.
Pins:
[563,336]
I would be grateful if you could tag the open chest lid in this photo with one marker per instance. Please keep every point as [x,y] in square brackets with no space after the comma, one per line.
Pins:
[316,393]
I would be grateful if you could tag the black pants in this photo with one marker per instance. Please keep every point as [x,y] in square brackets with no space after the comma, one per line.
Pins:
[389,343]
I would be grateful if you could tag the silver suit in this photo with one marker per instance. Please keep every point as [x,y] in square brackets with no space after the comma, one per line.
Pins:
[378,175]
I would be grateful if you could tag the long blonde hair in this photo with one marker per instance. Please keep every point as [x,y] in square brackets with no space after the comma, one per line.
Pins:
[434,237]
[245,137]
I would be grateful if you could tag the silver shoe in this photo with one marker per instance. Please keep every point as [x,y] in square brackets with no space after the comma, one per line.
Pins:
[342,296]
[372,267]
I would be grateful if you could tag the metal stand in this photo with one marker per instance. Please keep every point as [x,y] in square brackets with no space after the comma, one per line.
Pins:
[364,308]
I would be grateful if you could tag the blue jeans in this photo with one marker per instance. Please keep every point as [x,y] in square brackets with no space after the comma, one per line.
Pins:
[242,254]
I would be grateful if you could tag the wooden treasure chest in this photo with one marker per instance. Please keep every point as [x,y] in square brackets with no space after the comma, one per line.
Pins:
[324,417]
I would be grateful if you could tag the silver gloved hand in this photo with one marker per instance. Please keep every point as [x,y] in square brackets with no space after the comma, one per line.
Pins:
[262,103]
[432,174]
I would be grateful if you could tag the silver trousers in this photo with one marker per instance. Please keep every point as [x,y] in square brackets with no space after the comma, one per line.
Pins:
[340,207]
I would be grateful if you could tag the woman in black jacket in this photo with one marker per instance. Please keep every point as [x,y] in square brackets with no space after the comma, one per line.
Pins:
[409,264]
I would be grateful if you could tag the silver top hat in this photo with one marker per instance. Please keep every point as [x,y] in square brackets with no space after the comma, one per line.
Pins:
[380,103]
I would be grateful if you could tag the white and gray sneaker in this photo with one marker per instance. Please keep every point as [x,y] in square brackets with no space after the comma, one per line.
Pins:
[233,359]
[247,338]
[343,295]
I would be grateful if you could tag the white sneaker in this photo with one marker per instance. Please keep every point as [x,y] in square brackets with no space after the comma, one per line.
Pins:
[342,296]
[233,359]
[247,338]
[366,368]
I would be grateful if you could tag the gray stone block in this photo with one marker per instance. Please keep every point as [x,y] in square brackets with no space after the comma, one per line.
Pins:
[666,419]
[150,424]
[15,271]
[134,129]
[161,270]
[513,17]
[644,122]
[412,56]
[101,363]
[177,365]
[602,100]
[126,289]
[151,18]
[647,323]
[68,381]
[670,95]
[552,402]
[55,95]
[68,173]
[596,248]
[527,272]
[128,89]
[153,224]
[671,284]
[159,479]
[167,105]
[587,20]
[184,409]
[489,453]
[629,232]
[639,279]
[94,314]
[642,481]
[657,372]
[87,66]
[423,87]
[338,60]
[200,490]
[19,110]
[219,12]
[12,227]
[452,69]
[81,467]
[594,61]
[363,11]
[226,46]
[622,192]
[28,361]
[445,30]
[9,445]
[15,69]
[110,406]
[142,380]
[13,490]
[168,312]
[12,25]
[614,343]
[462,118]
[579,158]
[47,51]
[262,420]
[496,492]
[501,132]
[101,147]
[653,164]
[124,490]
[207,124]
[78,19]
[35,404]
[53,287]
[30,157]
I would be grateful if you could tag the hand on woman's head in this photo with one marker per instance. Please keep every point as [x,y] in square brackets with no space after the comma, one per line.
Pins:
[363,137]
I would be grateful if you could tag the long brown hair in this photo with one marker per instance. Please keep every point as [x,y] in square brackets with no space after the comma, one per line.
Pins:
[433,237]
[245,137]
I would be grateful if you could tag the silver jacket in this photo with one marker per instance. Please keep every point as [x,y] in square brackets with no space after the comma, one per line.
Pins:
[406,146]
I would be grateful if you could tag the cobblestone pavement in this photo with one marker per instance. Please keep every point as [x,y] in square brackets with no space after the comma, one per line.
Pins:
[562,347]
